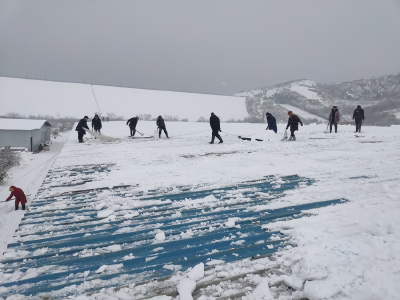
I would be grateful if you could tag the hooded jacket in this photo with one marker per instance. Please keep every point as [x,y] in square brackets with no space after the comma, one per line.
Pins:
[82,124]
[160,122]
[96,123]
[214,123]
[358,114]
[337,117]
[272,123]
[293,122]
[132,122]
[18,194]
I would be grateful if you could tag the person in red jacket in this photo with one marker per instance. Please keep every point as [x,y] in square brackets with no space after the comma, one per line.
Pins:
[19,197]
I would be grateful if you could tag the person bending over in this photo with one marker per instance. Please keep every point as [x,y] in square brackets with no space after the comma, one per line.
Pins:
[293,122]
[132,122]
[19,197]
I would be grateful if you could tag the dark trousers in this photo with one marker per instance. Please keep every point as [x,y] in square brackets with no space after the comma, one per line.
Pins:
[133,131]
[335,127]
[80,135]
[160,129]
[292,133]
[97,130]
[17,205]
[215,134]
[358,125]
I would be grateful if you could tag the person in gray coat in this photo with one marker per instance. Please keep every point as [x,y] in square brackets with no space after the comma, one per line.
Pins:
[334,118]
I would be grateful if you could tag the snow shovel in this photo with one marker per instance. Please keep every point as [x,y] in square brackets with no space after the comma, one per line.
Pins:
[327,131]
[155,131]
[284,136]
[140,133]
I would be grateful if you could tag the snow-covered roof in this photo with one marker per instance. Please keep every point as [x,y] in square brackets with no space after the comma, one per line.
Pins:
[22,124]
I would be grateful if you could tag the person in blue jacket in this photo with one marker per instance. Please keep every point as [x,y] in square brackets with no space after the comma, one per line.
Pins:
[271,122]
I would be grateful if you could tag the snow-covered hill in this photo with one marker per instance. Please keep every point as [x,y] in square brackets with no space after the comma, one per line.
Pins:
[36,97]
[380,97]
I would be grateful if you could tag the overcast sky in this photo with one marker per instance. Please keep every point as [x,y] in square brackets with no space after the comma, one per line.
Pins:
[214,47]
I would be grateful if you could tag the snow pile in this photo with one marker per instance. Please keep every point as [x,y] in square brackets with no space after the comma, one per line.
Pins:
[160,236]
[349,249]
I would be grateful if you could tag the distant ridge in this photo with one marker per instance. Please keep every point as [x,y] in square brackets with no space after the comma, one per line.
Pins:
[379,96]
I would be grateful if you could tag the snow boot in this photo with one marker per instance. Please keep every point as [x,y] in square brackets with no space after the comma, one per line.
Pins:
[211,142]
[291,138]
[221,142]
[294,138]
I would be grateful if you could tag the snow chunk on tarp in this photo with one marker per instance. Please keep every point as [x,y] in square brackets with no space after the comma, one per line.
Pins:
[185,288]
[197,272]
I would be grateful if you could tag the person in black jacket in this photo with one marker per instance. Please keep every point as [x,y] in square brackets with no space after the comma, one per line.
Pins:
[96,124]
[132,125]
[161,126]
[216,127]
[271,122]
[358,116]
[82,124]
[293,122]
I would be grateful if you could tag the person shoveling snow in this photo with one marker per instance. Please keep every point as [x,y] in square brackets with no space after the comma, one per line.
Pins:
[293,122]
[19,197]
[81,127]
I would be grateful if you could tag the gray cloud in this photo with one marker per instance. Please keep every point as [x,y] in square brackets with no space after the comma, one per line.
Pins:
[219,47]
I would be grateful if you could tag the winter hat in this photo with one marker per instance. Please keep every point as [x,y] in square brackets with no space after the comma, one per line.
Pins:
[96,115]
[86,117]
[267,113]
[358,106]
[212,113]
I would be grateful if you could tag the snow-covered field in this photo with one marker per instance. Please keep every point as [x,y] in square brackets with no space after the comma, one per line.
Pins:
[36,97]
[346,251]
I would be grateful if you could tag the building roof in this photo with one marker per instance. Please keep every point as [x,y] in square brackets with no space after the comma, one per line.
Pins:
[22,124]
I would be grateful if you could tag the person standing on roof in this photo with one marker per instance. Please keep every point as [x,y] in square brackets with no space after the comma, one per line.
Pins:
[293,122]
[358,116]
[216,128]
[132,122]
[96,124]
[161,126]
[334,118]
[82,124]
[271,122]
[19,197]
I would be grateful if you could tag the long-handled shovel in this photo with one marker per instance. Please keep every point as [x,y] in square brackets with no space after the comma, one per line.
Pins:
[140,133]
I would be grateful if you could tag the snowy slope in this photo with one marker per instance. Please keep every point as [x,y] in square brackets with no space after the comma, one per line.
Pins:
[302,113]
[346,251]
[71,99]
[379,97]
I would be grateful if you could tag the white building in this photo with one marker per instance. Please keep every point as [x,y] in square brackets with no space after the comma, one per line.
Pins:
[24,133]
